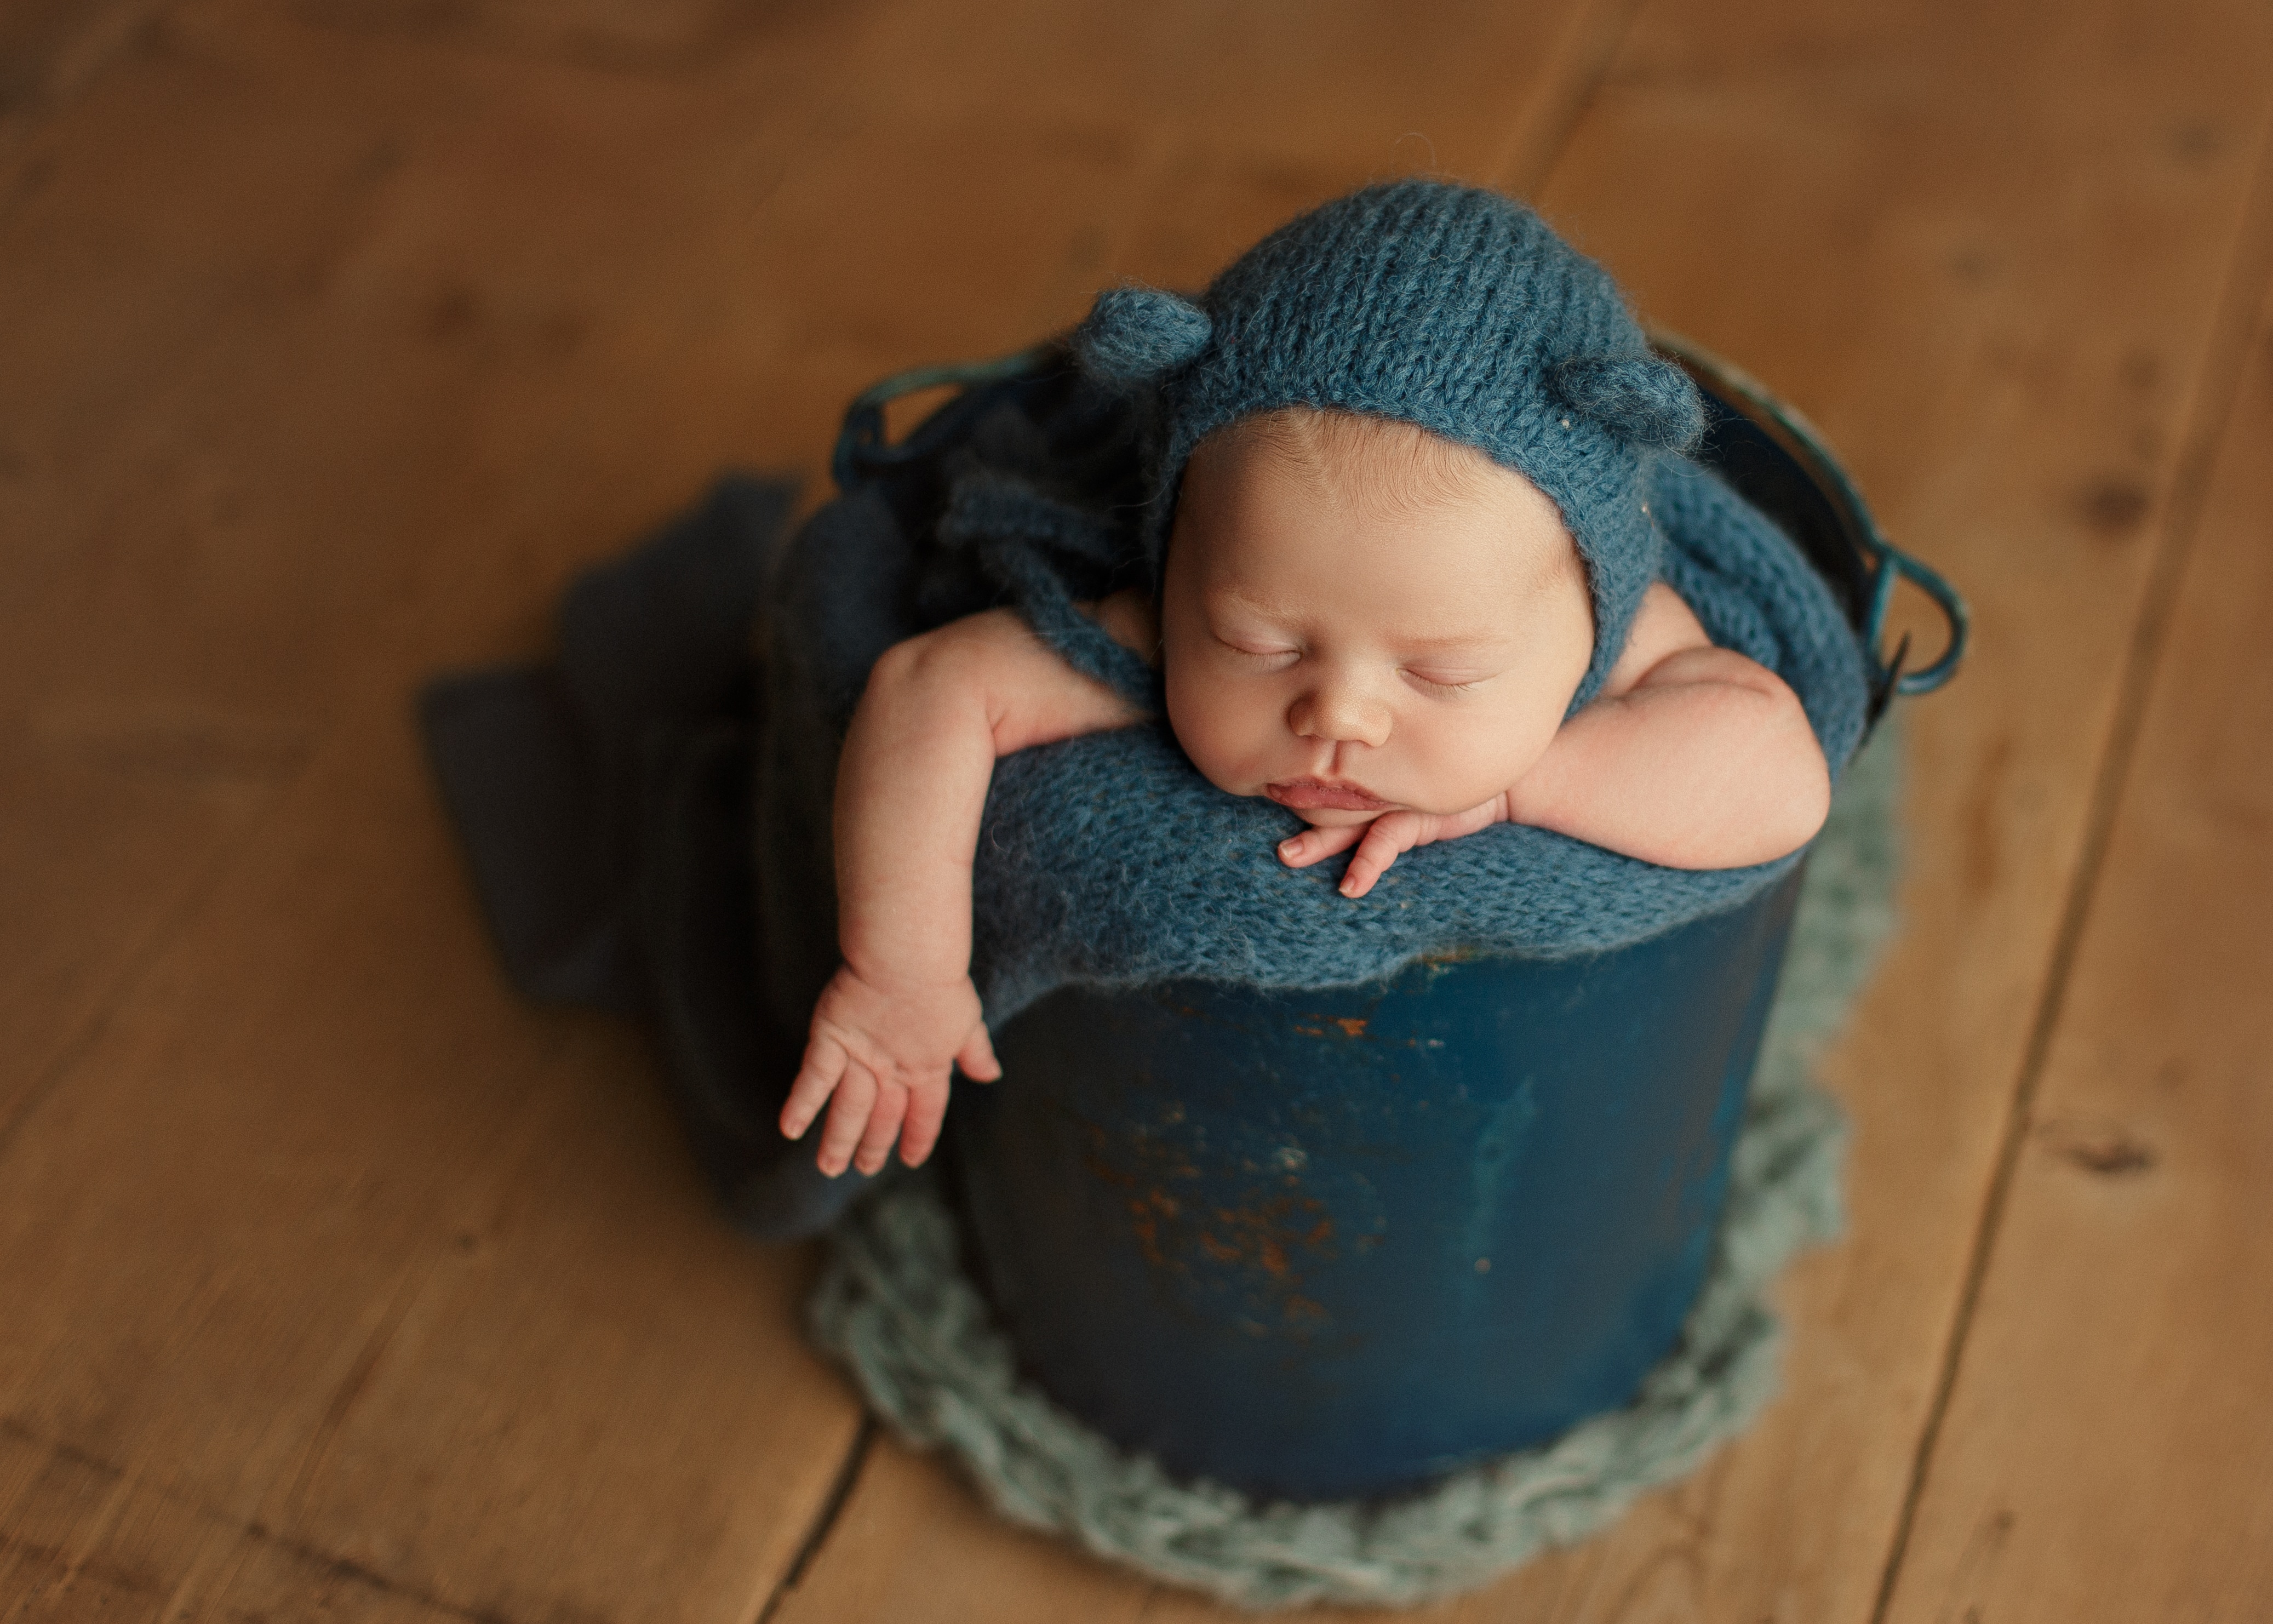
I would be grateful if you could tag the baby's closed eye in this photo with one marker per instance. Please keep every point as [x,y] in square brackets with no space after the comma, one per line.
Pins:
[1267,653]
[1437,681]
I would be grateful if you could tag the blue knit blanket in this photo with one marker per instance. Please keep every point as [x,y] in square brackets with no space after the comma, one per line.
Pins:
[1108,860]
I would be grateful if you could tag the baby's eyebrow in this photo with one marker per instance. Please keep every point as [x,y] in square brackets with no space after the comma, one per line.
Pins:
[1233,598]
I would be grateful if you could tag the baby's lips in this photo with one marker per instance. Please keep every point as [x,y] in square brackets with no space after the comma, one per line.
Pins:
[1317,795]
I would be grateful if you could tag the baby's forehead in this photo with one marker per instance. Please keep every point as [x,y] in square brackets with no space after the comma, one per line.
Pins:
[1367,523]
[1384,463]
[1382,467]
[1384,457]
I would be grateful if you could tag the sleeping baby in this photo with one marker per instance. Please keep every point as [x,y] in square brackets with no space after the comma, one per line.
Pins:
[1403,583]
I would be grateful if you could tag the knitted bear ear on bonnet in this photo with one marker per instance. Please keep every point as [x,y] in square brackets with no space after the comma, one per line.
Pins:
[1139,335]
[1647,403]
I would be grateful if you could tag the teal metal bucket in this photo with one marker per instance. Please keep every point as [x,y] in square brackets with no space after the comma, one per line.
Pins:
[1329,1245]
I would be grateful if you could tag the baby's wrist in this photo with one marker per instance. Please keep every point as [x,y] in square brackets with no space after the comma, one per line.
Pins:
[899,979]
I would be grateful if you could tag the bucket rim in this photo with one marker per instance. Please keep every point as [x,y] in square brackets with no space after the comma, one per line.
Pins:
[863,451]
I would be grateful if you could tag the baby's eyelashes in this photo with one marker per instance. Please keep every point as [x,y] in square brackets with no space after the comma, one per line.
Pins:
[1260,654]
[1443,683]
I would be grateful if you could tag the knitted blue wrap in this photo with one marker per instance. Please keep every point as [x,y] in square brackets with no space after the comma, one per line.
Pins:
[1108,860]
[1444,305]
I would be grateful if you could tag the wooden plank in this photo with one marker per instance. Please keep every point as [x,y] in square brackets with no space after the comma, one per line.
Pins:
[657,36]
[406,1291]
[1002,166]
[1983,249]
[326,1234]
[2107,1453]
[314,330]
[49,51]
[144,733]
[89,1540]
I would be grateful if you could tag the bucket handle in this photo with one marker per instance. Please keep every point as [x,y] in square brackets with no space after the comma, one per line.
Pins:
[861,447]
[1889,564]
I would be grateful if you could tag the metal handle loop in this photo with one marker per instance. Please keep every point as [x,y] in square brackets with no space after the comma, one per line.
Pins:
[862,446]
[1889,564]
[1894,564]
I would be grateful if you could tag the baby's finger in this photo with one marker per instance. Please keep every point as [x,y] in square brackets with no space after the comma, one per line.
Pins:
[1316,845]
[817,1080]
[976,1058]
[927,1111]
[1385,838]
[856,1097]
[883,1127]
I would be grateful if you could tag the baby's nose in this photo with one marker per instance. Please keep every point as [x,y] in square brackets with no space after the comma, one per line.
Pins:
[1340,711]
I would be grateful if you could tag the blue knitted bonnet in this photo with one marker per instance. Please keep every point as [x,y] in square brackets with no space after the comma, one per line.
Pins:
[1443,306]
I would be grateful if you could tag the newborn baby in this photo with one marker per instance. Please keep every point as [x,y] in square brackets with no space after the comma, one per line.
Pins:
[1403,586]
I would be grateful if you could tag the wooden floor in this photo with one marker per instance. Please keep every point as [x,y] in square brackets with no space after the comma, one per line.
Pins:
[335,335]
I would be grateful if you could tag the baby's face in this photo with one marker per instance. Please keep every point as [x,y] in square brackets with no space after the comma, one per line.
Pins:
[1357,617]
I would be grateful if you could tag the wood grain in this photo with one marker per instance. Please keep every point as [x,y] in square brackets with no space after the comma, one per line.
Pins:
[395,1295]
[88,1539]
[49,51]
[2108,1455]
[341,333]
[325,1235]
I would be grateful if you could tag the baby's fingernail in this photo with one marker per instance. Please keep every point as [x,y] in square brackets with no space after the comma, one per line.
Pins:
[1291,846]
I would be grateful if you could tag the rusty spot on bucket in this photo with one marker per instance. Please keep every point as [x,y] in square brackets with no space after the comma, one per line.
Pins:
[1145,1213]
[1263,1235]
[1142,1165]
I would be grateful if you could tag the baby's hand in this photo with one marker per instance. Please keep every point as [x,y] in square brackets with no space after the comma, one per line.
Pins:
[885,1052]
[1379,842]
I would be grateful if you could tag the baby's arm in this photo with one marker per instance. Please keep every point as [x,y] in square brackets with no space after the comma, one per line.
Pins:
[1691,756]
[911,787]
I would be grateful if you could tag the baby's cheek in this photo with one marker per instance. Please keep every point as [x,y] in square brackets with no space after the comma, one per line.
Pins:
[1189,719]
[1225,733]
[1461,764]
